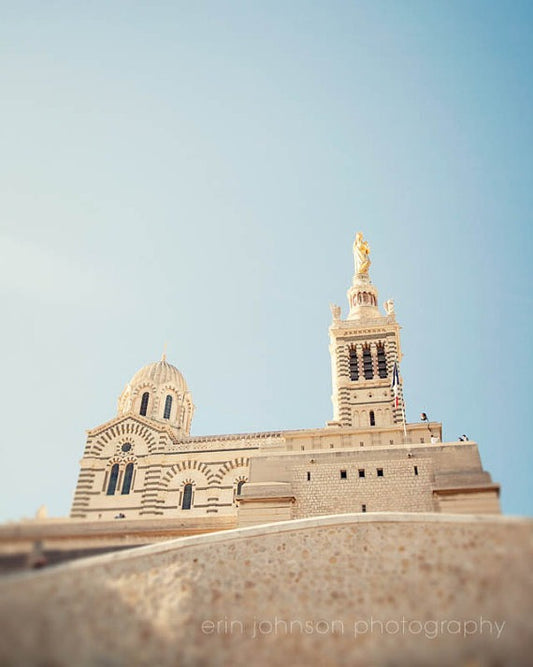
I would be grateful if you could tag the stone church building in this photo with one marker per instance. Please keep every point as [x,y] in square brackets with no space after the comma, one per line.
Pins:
[145,464]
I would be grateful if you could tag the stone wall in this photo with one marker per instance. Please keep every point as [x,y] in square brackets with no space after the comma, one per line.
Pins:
[400,486]
[400,478]
[26,544]
[214,466]
[397,589]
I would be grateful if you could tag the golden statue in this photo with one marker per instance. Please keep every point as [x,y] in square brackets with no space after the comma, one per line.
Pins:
[361,254]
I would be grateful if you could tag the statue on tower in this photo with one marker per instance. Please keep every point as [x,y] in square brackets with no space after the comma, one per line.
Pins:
[389,307]
[361,254]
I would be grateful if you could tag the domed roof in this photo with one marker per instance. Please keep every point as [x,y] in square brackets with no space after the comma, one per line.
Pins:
[160,372]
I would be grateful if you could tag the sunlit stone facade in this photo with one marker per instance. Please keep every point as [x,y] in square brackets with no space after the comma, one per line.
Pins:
[145,464]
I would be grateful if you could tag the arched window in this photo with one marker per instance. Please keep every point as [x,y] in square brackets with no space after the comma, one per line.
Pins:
[354,365]
[187,497]
[168,407]
[239,486]
[128,475]
[372,418]
[382,361]
[113,480]
[367,363]
[144,404]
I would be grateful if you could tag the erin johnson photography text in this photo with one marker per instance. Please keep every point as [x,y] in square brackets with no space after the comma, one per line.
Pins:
[429,629]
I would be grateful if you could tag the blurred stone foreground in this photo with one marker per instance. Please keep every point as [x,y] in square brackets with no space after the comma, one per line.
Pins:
[353,589]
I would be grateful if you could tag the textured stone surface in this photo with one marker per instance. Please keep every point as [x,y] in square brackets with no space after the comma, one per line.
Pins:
[58,540]
[398,487]
[356,589]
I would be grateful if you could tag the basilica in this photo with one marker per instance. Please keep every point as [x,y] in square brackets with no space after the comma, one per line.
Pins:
[144,464]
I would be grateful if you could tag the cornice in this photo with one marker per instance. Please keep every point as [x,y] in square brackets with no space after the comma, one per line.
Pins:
[137,418]
[231,436]
[367,329]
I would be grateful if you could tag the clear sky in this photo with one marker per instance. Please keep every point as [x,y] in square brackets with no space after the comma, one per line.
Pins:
[195,173]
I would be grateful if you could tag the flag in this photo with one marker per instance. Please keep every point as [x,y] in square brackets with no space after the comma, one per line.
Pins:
[395,384]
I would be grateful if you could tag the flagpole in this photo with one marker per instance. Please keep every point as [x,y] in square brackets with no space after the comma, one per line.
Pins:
[403,417]
[395,386]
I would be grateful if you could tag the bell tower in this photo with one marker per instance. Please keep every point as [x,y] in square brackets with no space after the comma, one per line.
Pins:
[364,348]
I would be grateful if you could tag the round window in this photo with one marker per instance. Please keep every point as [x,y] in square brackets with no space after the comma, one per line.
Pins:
[126,447]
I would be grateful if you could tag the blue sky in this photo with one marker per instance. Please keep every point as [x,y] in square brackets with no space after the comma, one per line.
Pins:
[195,173]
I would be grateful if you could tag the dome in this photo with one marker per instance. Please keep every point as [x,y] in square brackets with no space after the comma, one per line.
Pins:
[159,392]
[160,372]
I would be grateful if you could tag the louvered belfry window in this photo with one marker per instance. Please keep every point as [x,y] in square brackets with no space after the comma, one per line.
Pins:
[354,366]
[382,361]
[367,363]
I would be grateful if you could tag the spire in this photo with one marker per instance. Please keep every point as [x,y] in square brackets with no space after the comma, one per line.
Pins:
[164,355]
[362,295]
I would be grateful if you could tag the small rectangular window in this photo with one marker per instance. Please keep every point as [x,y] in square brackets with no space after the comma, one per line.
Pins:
[421,439]
[331,445]
[391,442]
[380,472]
[361,472]
[363,508]
[361,444]
[344,474]
[308,476]
[416,470]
